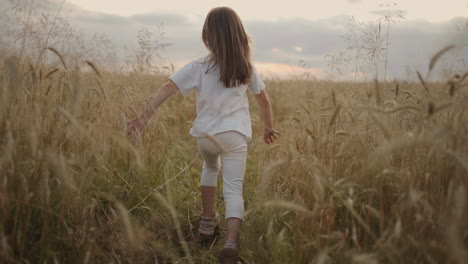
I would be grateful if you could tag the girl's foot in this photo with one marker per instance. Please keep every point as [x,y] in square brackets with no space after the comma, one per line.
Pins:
[229,254]
[208,225]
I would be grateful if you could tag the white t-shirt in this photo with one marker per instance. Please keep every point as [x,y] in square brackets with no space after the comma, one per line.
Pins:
[219,109]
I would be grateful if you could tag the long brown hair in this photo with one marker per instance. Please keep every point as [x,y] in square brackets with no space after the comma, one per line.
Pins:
[225,38]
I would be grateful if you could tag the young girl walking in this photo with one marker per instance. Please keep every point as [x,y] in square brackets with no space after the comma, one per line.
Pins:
[222,126]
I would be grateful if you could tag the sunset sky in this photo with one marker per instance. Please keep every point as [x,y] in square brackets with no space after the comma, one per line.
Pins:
[289,37]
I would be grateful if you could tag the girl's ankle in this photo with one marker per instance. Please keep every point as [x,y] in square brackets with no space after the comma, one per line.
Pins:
[209,216]
[230,243]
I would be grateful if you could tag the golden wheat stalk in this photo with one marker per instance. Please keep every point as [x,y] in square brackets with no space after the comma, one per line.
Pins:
[175,218]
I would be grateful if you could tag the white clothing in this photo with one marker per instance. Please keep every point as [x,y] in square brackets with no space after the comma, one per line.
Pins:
[230,147]
[219,109]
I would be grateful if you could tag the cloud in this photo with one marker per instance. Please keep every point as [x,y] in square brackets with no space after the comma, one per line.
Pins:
[397,14]
[270,70]
[156,19]
[100,19]
[297,39]
[298,49]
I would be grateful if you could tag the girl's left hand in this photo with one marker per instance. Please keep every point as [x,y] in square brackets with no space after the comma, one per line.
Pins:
[135,125]
[269,135]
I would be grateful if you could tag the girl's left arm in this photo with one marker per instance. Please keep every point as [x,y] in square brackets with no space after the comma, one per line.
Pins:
[168,89]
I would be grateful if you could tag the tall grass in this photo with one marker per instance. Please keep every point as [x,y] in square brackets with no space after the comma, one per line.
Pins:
[360,174]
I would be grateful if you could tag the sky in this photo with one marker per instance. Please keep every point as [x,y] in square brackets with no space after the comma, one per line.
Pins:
[289,37]
[273,10]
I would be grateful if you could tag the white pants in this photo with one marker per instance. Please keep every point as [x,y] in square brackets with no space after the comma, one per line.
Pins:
[229,149]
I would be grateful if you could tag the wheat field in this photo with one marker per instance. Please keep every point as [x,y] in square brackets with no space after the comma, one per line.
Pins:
[363,172]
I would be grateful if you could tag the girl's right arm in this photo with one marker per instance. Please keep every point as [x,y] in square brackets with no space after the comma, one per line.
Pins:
[269,133]
[137,124]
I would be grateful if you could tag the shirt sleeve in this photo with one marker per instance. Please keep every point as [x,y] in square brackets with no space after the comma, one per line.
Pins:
[187,78]
[256,84]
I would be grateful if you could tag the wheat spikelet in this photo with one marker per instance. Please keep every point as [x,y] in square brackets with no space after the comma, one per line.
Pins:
[81,130]
[397,109]
[452,86]
[127,146]
[349,205]
[102,91]
[87,257]
[374,212]
[33,72]
[378,93]
[51,72]
[305,109]
[6,250]
[439,54]
[322,258]
[268,173]
[334,98]
[13,73]
[34,80]
[58,166]
[382,126]
[62,60]
[309,131]
[459,158]
[463,77]
[8,148]
[394,110]
[342,133]
[397,90]
[77,93]
[364,259]
[456,82]
[459,203]
[288,205]
[335,115]
[421,79]
[94,68]
[126,223]
[455,222]
[319,188]
[397,229]
[430,109]
[45,191]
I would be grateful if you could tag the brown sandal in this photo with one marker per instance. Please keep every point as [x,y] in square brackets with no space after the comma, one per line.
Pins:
[208,225]
[229,254]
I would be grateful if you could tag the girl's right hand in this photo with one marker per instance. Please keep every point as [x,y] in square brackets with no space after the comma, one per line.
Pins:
[135,125]
[269,135]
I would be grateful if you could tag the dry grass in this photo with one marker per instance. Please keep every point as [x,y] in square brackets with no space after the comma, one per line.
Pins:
[363,173]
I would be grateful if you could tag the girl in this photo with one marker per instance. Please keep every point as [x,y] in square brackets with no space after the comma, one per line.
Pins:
[222,126]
